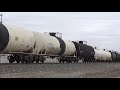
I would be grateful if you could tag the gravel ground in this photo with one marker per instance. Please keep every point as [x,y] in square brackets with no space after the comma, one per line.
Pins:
[57,70]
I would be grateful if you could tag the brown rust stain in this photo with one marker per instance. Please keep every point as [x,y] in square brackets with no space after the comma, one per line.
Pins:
[16,38]
[27,46]
[29,51]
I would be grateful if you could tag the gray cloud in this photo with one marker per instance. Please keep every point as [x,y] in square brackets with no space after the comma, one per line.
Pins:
[97,28]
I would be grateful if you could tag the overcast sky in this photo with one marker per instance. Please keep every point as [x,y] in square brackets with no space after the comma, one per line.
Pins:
[101,29]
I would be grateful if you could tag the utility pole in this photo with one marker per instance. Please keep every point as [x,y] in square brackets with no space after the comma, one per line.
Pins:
[1,17]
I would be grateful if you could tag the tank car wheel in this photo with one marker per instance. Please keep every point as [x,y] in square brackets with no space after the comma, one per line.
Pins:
[83,60]
[60,61]
[89,60]
[26,62]
[72,61]
[37,61]
[86,61]
[92,60]
[32,61]
[18,61]
[22,61]
[67,61]
[10,61]
[63,61]
[75,61]
[42,61]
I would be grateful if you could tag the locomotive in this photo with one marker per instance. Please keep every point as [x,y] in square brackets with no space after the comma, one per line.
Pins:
[27,46]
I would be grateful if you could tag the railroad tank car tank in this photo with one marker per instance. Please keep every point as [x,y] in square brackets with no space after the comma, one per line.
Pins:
[102,55]
[84,51]
[88,51]
[89,54]
[70,48]
[67,47]
[14,39]
[118,57]
[69,52]
[46,44]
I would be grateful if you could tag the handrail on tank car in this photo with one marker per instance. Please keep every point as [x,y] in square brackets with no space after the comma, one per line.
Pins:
[57,34]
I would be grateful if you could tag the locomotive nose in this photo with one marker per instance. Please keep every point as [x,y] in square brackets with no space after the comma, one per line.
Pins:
[4,37]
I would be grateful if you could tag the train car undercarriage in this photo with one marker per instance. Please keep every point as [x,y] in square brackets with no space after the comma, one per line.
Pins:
[31,58]
[68,59]
[25,58]
[34,58]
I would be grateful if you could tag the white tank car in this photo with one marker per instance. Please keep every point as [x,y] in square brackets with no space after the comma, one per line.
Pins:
[102,55]
[70,48]
[19,39]
[46,44]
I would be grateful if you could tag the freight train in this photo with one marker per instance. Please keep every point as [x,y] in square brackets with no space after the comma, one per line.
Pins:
[27,46]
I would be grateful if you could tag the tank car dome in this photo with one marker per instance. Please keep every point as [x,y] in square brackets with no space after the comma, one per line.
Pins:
[4,37]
